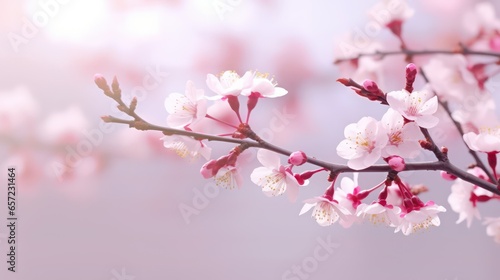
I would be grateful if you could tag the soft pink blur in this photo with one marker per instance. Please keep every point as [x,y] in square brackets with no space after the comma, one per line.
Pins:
[95,200]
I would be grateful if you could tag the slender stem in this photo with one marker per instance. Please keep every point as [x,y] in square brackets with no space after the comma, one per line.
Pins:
[435,149]
[335,168]
[221,121]
[376,187]
[463,50]
[473,153]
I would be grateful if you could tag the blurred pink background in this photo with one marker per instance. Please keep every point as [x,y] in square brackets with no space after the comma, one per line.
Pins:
[116,215]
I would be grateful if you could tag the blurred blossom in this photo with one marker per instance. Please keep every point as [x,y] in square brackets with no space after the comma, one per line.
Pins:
[482,19]
[364,68]
[131,143]
[64,127]
[450,77]
[26,164]
[18,110]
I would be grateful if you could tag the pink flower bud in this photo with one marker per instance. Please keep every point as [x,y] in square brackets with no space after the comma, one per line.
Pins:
[370,86]
[207,170]
[411,70]
[101,82]
[396,163]
[447,176]
[495,43]
[411,74]
[297,158]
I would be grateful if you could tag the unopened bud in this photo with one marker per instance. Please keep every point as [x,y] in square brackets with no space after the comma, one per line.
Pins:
[116,87]
[411,74]
[133,104]
[447,176]
[297,158]
[411,71]
[207,170]
[370,86]
[101,82]
[106,119]
[345,82]
[396,163]
[425,144]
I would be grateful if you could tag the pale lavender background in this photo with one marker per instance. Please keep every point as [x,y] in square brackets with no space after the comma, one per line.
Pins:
[128,216]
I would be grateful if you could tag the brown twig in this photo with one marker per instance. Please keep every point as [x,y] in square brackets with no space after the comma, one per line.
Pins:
[382,54]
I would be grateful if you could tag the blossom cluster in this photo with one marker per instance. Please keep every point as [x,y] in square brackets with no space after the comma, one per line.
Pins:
[452,80]
[397,134]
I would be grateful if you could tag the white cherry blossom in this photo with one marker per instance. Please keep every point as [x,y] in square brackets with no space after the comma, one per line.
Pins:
[493,228]
[274,178]
[186,147]
[460,201]
[418,106]
[363,144]
[377,214]
[326,211]
[229,83]
[186,109]
[264,87]
[403,138]
[420,219]
[487,141]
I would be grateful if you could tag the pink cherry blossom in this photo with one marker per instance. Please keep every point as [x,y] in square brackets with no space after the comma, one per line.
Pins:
[362,68]
[487,141]
[363,144]
[387,11]
[326,211]
[273,177]
[186,147]
[229,83]
[476,111]
[493,228]
[450,77]
[403,138]
[64,127]
[461,202]
[418,106]
[18,109]
[186,109]
[346,195]
[420,219]
[481,20]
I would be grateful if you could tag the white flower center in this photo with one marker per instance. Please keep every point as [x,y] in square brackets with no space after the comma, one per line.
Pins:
[228,78]
[495,131]
[396,138]
[273,183]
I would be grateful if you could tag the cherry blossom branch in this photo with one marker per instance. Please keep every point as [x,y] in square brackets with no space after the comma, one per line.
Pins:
[257,142]
[334,168]
[382,54]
